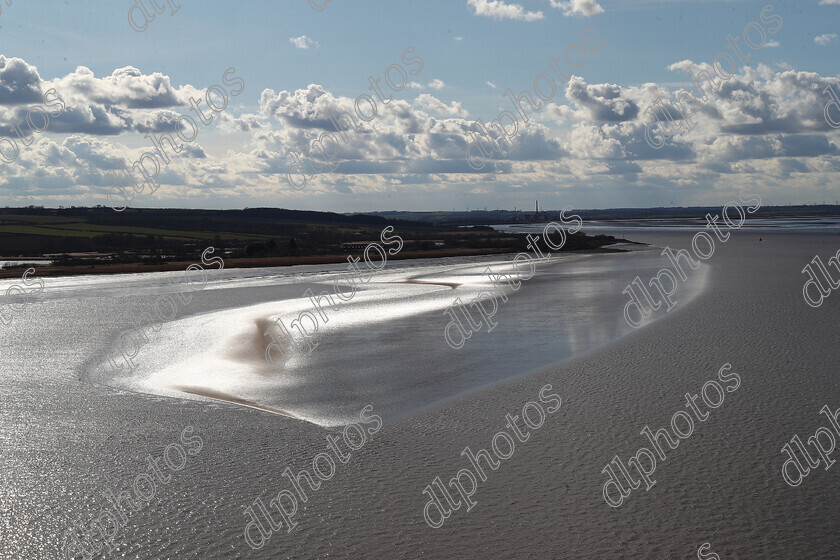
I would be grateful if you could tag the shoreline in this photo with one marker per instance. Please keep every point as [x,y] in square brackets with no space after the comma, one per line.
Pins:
[257,262]
[232,350]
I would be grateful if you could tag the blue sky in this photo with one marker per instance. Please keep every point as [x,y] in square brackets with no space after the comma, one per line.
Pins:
[581,148]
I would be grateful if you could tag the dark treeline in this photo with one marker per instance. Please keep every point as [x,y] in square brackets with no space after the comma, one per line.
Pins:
[161,235]
[159,232]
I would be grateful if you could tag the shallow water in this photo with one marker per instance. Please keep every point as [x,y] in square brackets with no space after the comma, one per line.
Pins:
[385,347]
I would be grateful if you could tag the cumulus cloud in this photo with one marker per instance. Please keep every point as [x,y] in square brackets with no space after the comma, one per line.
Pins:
[126,87]
[497,9]
[757,114]
[125,100]
[19,82]
[604,102]
[739,148]
[561,114]
[305,108]
[303,42]
[761,101]
[433,104]
[585,8]
[400,139]
[759,125]
[825,38]
[437,83]
[248,122]
[589,141]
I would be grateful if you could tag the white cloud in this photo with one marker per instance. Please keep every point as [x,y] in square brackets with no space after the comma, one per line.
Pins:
[491,84]
[437,83]
[499,10]
[772,44]
[763,126]
[433,104]
[126,87]
[829,2]
[562,114]
[589,141]
[604,102]
[586,8]
[825,38]
[124,101]
[19,81]
[303,42]
[457,38]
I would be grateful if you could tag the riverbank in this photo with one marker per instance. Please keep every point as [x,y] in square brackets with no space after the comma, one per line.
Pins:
[53,270]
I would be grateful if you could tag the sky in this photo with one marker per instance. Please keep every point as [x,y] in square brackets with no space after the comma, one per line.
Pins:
[605,134]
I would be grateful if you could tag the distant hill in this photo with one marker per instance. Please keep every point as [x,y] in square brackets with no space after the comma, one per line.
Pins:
[525,216]
[81,236]
[35,230]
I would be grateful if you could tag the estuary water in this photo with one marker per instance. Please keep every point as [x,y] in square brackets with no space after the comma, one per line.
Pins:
[386,346]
